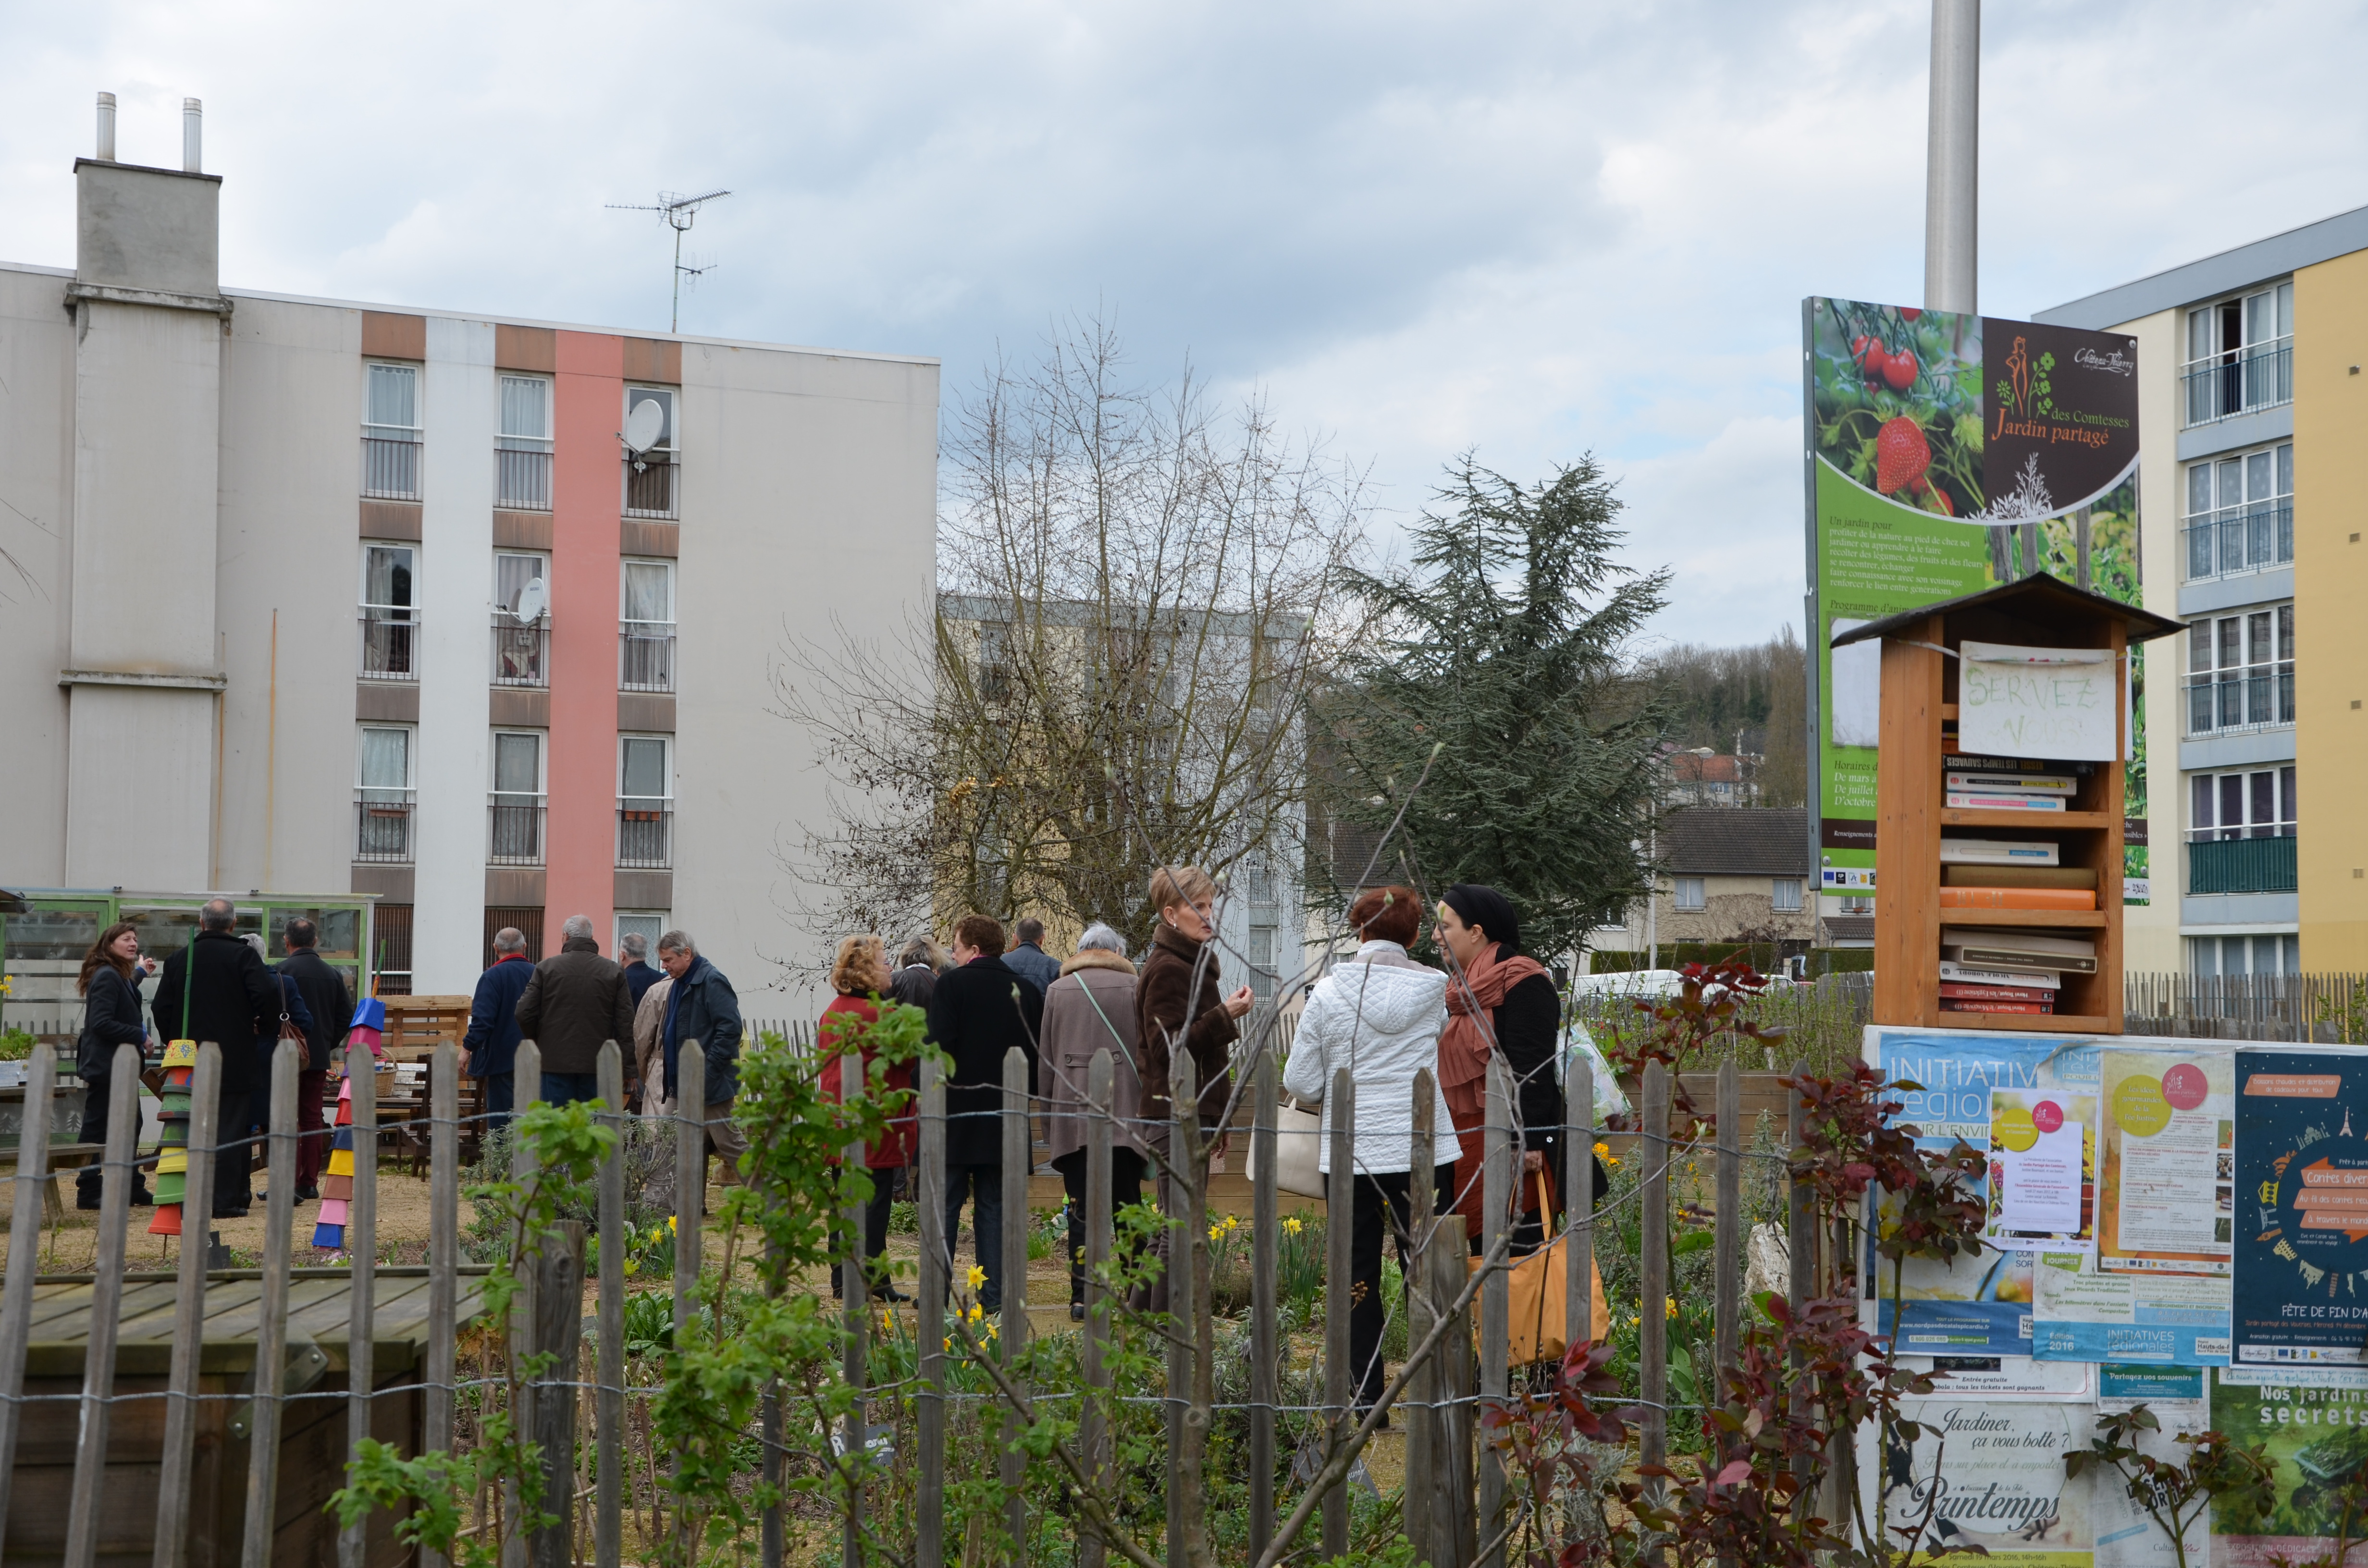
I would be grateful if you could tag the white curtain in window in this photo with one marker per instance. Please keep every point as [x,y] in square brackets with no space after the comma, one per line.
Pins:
[649,591]
[526,408]
[511,575]
[517,769]
[387,571]
[386,759]
[645,769]
[393,396]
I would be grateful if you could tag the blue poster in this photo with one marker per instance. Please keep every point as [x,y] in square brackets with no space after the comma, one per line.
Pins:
[2300,1287]
[1981,1304]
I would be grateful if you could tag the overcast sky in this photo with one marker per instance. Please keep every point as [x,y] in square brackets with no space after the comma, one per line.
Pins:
[1534,230]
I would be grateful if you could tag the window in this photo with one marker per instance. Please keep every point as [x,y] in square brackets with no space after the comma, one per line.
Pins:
[390,620]
[994,661]
[1261,892]
[518,798]
[522,451]
[650,475]
[2257,803]
[1855,904]
[2269,953]
[648,923]
[645,627]
[1691,895]
[644,801]
[2240,513]
[2240,671]
[522,622]
[1784,895]
[383,798]
[390,948]
[2240,355]
[390,432]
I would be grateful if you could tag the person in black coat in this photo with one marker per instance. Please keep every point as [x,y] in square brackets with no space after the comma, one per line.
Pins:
[111,979]
[330,1002]
[230,1000]
[980,1009]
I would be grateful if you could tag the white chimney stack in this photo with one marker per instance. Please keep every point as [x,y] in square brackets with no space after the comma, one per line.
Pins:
[192,135]
[106,128]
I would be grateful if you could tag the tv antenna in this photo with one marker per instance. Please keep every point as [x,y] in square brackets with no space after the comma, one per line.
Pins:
[679,211]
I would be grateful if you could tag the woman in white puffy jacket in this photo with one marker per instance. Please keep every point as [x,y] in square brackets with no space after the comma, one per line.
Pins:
[1378,1015]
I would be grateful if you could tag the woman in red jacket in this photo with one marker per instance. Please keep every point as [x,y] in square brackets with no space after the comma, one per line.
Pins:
[859,975]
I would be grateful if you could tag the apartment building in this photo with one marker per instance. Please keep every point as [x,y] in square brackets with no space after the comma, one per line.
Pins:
[2252,402]
[309,594]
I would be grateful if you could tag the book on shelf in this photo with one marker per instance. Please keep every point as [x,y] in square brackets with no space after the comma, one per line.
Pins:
[1996,852]
[2012,783]
[1951,990]
[2017,876]
[1957,974]
[1996,801]
[2016,949]
[2017,898]
[1959,762]
[2032,1008]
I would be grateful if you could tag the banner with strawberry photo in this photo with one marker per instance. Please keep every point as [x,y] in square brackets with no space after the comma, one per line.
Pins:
[1947,454]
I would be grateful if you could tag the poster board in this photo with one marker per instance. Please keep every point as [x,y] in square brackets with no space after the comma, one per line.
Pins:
[2301,1249]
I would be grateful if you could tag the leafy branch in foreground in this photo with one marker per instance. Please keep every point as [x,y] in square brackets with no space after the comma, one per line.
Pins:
[2217,1472]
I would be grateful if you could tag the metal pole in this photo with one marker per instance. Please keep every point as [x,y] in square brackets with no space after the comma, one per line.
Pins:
[1951,159]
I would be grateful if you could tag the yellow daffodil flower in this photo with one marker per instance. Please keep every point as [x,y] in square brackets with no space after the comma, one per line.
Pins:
[632,1267]
[977,1276]
[669,1224]
[1672,1304]
[1291,1226]
[1603,1148]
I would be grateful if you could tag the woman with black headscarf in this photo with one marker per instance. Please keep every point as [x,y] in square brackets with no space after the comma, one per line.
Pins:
[1499,1002]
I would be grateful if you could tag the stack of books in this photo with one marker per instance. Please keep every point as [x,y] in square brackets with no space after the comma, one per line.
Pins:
[2012,886]
[1964,990]
[2010,784]
[2017,950]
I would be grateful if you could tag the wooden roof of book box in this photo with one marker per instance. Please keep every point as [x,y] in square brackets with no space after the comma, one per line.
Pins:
[2064,816]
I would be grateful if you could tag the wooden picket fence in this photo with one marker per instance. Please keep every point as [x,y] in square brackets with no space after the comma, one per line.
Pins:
[1458,1495]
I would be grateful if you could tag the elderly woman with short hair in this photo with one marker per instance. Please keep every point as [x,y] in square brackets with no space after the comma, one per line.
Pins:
[1090,1008]
[859,974]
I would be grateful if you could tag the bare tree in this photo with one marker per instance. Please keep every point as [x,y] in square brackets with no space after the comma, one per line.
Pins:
[1134,588]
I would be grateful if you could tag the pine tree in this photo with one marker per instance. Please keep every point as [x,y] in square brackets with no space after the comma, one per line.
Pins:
[1503,649]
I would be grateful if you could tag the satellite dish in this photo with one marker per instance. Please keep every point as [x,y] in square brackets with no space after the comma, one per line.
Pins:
[644,424]
[532,601]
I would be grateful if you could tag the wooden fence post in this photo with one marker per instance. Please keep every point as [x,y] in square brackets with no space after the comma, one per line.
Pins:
[1340,1225]
[24,1261]
[929,1331]
[1498,1195]
[105,1304]
[526,1087]
[1653,1264]
[1092,1433]
[271,1332]
[189,1314]
[557,1332]
[1454,1526]
[1580,1326]
[1422,1391]
[361,1250]
[1181,1221]
[1017,1166]
[443,1252]
[1263,1239]
[608,1413]
[1728,1255]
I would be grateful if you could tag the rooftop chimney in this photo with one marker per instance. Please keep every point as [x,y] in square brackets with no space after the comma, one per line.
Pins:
[106,128]
[192,131]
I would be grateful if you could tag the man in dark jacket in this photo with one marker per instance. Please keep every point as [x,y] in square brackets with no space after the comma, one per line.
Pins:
[331,1005]
[493,1034]
[576,1002]
[703,1014]
[915,978]
[1030,960]
[981,1010]
[634,949]
[232,1001]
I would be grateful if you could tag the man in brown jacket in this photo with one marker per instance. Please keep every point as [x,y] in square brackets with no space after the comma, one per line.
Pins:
[576,1002]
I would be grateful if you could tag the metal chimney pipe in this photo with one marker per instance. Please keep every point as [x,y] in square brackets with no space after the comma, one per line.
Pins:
[1953,156]
[106,128]
[193,120]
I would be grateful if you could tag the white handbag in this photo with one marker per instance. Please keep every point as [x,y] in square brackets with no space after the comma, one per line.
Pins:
[1298,1140]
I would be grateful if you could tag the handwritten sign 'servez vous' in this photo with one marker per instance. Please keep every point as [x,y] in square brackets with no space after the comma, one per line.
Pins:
[2057,703]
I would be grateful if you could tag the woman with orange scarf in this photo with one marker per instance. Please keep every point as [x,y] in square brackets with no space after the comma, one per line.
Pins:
[1499,1002]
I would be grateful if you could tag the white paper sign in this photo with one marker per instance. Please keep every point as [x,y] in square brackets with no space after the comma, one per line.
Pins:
[2057,703]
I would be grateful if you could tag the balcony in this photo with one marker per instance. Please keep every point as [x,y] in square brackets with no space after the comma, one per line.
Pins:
[650,490]
[389,644]
[390,468]
[522,474]
[2243,381]
[2259,697]
[645,832]
[2248,539]
[2242,864]
[521,651]
[383,827]
[646,656]
[515,837]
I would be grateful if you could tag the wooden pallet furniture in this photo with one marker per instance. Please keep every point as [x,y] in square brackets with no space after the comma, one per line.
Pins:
[1918,723]
[416,1025]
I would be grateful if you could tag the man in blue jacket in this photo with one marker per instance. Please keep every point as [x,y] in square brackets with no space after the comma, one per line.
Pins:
[703,1015]
[493,1036]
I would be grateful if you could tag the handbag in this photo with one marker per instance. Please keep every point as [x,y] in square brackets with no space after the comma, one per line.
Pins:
[1537,1288]
[289,1029]
[1298,1140]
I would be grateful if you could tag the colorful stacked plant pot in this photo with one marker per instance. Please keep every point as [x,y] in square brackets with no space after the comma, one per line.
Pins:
[368,1027]
[173,1145]
[337,1181]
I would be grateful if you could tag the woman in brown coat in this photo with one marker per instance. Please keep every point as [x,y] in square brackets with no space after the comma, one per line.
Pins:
[1178,1003]
[1090,1008]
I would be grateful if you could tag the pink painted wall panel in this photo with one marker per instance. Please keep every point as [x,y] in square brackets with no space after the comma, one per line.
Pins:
[588,404]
